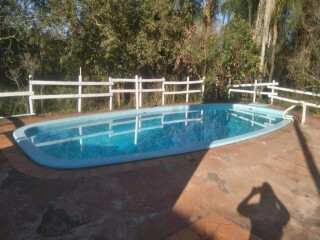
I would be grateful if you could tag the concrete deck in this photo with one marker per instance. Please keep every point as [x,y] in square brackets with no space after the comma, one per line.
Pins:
[267,187]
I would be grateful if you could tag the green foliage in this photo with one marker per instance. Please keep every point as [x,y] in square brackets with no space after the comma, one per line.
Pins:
[151,38]
[245,9]
[239,55]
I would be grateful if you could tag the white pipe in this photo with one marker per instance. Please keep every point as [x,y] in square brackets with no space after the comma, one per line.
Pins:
[304,112]
[288,117]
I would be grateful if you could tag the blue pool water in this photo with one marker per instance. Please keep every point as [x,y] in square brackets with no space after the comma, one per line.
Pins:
[116,137]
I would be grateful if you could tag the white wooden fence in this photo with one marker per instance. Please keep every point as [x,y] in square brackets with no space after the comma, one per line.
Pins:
[255,90]
[187,91]
[78,84]
[138,90]
[273,94]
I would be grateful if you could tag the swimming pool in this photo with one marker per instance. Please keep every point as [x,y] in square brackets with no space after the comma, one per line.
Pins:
[131,135]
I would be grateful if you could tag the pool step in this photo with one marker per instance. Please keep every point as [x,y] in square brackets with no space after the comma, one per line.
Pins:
[213,227]
[259,104]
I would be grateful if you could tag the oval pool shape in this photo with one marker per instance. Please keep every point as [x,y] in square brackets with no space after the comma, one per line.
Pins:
[124,136]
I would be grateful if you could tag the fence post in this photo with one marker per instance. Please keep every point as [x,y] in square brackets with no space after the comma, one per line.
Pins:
[30,100]
[229,86]
[304,112]
[187,96]
[255,91]
[202,87]
[163,90]
[272,91]
[137,92]
[110,91]
[80,92]
[140,93]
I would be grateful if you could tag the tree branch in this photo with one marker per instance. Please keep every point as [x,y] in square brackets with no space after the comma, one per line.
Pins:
[310,76]
[8,37]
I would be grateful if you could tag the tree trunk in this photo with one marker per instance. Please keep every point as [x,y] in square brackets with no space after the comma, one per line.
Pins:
[208,11]
[250,12]
[259,22]
[204,70]
[273,54]
[261,32]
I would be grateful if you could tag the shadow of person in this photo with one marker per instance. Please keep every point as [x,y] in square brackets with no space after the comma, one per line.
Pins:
[268,216]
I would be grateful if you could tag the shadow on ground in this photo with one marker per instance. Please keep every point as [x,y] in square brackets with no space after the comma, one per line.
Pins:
[269,216]
[15,122]
[308,156]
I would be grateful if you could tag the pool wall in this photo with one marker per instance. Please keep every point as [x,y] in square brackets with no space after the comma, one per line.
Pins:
[20,135]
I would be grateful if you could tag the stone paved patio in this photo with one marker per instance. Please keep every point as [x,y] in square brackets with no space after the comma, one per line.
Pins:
[268,187]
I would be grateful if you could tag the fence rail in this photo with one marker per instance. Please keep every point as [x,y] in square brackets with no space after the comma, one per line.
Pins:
[256,84]
[17,94]
[295,91]
[68,83]
[58,96]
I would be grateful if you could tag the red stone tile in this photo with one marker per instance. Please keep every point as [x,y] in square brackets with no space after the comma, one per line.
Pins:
[184,234]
